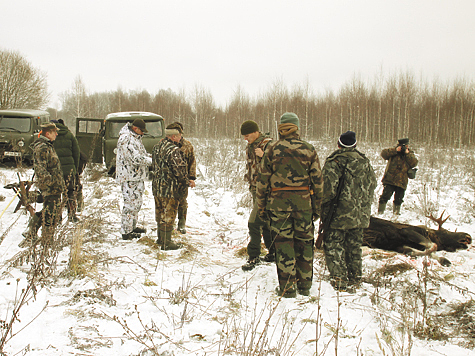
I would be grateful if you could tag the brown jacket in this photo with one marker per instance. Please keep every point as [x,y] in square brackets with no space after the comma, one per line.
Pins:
[397,167]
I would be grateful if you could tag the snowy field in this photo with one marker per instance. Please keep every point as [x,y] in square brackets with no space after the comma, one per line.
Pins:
[107,296]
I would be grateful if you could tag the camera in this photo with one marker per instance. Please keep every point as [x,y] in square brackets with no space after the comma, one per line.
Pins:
[403,148]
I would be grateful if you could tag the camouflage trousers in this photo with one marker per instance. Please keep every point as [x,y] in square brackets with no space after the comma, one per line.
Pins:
[294,235]
[50,217]
[388,192]
[165,212]
[258,229]
[343,255]
[133,199]
[183,205]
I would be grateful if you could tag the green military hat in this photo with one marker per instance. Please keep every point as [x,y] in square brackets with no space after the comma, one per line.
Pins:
[140,124]
[403,141]
[289,118]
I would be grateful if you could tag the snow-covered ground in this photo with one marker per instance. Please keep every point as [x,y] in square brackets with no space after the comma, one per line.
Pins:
[130,298]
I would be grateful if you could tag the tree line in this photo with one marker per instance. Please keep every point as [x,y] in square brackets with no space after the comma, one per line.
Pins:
[381,110]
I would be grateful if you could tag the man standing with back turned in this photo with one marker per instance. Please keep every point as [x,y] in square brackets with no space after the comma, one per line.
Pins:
[289,192]
[257,143]
[348,189]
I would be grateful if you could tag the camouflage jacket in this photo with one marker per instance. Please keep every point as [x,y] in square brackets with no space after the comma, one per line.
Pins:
[397,166]
[253,161]
[48,172]
[289,162]
[170,176]
[359,181]
[189,156]
[132,158]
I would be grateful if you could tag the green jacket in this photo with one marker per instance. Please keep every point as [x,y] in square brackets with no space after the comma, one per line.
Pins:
[48,173]
[397,167]
[67,148]
[354,204]
[170,177]
[289,162]
[253,161]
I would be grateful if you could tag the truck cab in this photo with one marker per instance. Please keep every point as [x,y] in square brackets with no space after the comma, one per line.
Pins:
[18,129]
[98,138]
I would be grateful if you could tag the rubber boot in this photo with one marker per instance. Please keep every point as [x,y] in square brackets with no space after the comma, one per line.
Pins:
[31,232]
[181,226]
[80,202]
[397,209]
[165,240]
[381,208]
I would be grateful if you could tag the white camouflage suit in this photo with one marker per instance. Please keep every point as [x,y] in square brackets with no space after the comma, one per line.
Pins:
[132,164]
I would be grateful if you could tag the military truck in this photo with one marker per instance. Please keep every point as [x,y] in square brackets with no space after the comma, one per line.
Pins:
[18,129]
[98,138]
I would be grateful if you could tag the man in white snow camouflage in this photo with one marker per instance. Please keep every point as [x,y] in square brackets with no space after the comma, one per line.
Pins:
[132,168]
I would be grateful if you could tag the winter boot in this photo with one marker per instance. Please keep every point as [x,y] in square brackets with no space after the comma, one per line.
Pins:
[139,230]
[165,240]
[251,264]
[381,208]
[31,232]
[181,226]
[130,236]
[80,202]
[72,217]
[397,209]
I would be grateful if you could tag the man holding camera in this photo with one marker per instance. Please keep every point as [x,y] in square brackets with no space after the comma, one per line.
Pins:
[400,160]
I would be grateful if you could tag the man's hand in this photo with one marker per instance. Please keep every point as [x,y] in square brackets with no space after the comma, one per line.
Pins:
[192,183]
[259,152]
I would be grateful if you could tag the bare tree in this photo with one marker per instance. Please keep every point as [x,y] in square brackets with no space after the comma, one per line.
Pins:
[21,85]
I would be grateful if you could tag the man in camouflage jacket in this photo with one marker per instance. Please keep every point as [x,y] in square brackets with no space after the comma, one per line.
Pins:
[49,179]
[344,236]
[290,173]
[189,156]
[169,184]
[400,160]
[258,228]
[131,171]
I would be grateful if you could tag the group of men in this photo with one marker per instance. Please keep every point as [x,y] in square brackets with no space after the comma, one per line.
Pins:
[174,170]
[290,191]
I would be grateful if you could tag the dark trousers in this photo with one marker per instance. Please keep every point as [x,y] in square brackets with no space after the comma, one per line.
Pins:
[388,192]
[258,230]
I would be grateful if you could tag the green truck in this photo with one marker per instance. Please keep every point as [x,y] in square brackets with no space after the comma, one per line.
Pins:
[98,138]
[18,129]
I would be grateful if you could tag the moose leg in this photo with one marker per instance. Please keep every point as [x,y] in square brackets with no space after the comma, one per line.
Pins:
[426,245]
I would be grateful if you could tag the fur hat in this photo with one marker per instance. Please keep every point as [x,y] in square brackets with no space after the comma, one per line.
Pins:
[177,126]
[347,139]
[140,124]
[49,126]
[248,127]
[289,118]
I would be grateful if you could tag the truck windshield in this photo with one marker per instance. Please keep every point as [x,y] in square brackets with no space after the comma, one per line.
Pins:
[19,124]
[154,128]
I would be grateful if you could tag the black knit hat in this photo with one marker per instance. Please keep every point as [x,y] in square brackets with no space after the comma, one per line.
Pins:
[248,127]
[140,124]
[347,139]
[403,141]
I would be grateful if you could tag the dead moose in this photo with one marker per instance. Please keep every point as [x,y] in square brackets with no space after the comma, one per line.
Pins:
[414,240]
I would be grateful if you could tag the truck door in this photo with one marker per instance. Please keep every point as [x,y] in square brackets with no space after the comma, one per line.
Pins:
[89,133]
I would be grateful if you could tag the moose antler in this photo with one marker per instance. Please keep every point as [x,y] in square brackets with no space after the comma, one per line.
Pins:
[439,220]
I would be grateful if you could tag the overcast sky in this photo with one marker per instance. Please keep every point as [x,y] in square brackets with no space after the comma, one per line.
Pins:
[220,44]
